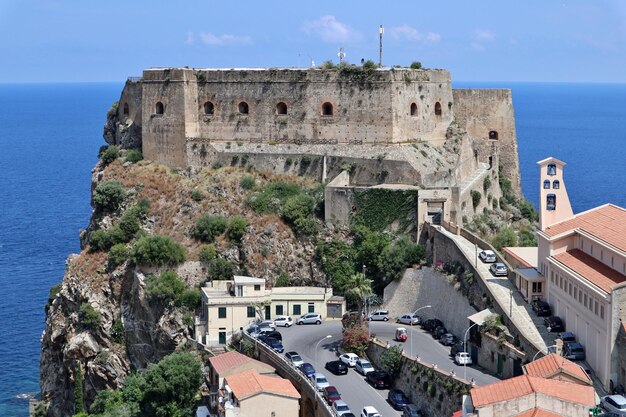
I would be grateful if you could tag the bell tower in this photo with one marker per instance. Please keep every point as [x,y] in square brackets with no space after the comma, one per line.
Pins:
[554,205]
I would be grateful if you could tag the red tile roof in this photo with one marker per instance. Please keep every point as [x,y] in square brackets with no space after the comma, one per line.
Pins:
[249,383]
[592,269]
[538,412]
[227,360]
[550,365]
[525,385]
[607,223]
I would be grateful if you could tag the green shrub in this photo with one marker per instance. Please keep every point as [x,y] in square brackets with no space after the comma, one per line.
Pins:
[190,299]
[391,360]
[54,291]
[236,228]
[99,240]
[475,198]
[486,184]
[221,269]
[398,256]
[108,195]
[110,154]
[505,237]
[196,196]
[298,211]
[89,317]
[101,150]
[248,182]
[272,197]
[282,280]
[117,255]
[370,65]
[117,332]
[134,156]
[207,254]
[209,227]
[164,288]
[528,211]
[157,251]
[129,225]
[79,397]
[416,65]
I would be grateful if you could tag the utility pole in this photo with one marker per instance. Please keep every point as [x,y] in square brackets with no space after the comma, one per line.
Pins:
[381,30]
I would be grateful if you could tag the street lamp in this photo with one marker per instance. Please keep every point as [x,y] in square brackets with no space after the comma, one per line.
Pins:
[318,344]
[465,350]
[546,349]
[414,313]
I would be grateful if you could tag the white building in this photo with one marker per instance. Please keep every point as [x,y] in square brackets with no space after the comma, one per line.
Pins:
[583,260]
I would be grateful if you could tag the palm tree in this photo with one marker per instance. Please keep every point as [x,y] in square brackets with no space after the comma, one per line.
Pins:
[360,288]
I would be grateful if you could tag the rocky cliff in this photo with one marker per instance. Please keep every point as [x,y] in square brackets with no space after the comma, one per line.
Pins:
[130,331]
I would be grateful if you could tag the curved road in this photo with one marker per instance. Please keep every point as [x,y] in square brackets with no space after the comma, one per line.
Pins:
[310,342]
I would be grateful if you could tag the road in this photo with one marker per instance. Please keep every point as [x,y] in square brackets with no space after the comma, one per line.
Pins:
[310,342]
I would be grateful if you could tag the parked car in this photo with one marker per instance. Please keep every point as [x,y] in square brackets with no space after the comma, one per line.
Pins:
[499,269]
[381,315]
[456,348]
[253,330]
[567,337]
[448,339]
[340,408]
[431,324]
[401,334]
[379,379]
[363,367]
[331,394]
[310,318]
[320,381]
[410,319]
[608,415]
[574,351]
[487,256]
[439,331]
[307,369]
[614,404]
[274,344]
[283,321]
[294,358]
[337,367]
[397,399]
[369,411]
[554,324]
[348,415]
[268,332]
[267,323]
[349,359]
[411,410]
[541,308]
[463,358]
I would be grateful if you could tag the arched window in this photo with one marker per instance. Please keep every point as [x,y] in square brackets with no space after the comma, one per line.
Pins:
[493,135]
[437,109]
[243,108]
[550,202]
[159,108]
[546,185]
[209,108]
[126,109]
[556,184]
[327,109]
[281,108]
[413,109]
[551,169]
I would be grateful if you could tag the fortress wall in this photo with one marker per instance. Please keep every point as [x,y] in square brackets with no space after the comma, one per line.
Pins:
[482,111]
[424,89]
[358,113]
[131,95]
[163,135]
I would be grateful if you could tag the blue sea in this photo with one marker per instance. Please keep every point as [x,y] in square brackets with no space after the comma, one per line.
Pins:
[50,135]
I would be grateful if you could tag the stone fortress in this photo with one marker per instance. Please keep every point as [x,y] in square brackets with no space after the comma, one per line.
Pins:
[350,127]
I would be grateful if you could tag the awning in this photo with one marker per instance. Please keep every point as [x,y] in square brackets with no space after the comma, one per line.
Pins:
[530,274]
[479,318]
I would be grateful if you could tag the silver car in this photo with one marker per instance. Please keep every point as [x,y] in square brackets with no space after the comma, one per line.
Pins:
[320,381]
[499,269]
[381,315]
[340,407]
[410,319]
[310,318]
[615,404]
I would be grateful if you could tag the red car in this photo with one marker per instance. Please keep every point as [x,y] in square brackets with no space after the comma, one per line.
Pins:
[401,334]
[331,394]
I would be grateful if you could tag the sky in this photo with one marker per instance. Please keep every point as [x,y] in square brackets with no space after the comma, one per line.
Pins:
[490,40]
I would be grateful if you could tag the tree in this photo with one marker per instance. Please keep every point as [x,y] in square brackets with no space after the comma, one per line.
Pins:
[398,256]
[164,288]
[108,195]
[354,339]
[391,360]
[207,254]
[236,228]
[89,317]
[157,251]
[360,288]
[505,237]
[416,65]
[221,269]
[209,227]
[110,154]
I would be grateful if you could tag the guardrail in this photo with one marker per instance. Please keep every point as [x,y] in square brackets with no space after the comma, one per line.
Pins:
[286,368]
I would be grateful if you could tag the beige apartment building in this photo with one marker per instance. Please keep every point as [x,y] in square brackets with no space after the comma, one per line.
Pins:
[583,260]
[228,306]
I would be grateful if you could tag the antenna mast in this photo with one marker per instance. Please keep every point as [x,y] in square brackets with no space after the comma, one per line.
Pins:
[381,30]
[341,55]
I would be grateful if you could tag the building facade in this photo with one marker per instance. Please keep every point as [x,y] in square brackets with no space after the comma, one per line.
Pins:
[229,306]
[583,260]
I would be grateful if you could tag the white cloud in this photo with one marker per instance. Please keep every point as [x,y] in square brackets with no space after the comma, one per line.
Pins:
[409,33]
[482,36]
[223,40]
[331,30]
[190,38]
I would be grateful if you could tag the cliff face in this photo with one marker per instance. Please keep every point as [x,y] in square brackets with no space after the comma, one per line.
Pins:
[133,331]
